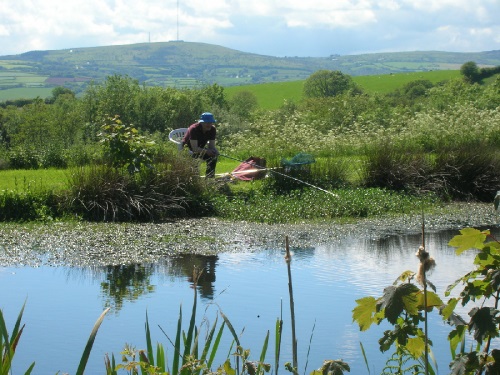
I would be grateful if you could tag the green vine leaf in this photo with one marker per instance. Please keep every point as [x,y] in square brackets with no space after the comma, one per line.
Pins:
[396,299]
[464,364]
[483,322]
[433,300]
[469,238]
[447,311]
[364,312]
[456,337]
[404,277]
[415,346]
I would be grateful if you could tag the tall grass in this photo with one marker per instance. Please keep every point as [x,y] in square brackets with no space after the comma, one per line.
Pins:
[169,189]
[192,352]
[9,342]
[28,205]
[464,172]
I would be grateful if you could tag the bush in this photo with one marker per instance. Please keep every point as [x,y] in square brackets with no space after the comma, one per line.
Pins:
[169,189]
[53,158]
[27,205]
[396,168]
[464,172]
[23,158]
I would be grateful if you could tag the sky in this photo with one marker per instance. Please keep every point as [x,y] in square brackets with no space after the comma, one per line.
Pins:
[305,28]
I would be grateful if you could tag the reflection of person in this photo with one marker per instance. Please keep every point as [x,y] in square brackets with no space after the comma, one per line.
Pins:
[199,135]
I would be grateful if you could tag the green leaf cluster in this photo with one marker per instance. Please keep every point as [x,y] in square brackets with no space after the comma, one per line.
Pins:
[404,305]
[481,287]
[124,146]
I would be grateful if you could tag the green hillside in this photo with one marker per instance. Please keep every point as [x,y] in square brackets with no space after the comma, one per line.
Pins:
[186,64]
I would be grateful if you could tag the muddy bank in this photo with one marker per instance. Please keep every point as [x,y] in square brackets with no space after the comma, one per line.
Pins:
[95,244]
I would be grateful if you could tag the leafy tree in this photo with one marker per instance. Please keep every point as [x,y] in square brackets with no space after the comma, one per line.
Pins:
[415,89]
[117,97]
[243,103]
[90,104]
[59,91]
[67,120]
[325,83]
[214,96]
[34,128]
[470,71]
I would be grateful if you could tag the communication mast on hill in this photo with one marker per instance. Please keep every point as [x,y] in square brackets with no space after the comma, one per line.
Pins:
[177,19]
[177,39]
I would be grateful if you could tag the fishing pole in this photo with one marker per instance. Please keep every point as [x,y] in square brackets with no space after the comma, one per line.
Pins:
[281,174]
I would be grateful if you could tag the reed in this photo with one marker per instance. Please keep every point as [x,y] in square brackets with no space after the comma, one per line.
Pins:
[9,342]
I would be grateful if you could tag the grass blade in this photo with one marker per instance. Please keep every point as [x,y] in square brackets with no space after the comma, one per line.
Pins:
[309,347]
[208,342]
[263,354]
[235,336]
[231,328]
[160,358]
[148,342]
[278,333]
[8,344]
[90,343]
[177,345]
[364,356]
[216,345]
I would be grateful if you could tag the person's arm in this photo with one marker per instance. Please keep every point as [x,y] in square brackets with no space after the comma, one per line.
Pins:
[211,147]
[194,146]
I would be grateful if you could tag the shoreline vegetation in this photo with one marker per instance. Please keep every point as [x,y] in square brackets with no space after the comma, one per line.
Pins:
[81,244]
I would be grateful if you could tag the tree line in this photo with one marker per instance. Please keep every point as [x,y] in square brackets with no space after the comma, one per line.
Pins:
[63,130]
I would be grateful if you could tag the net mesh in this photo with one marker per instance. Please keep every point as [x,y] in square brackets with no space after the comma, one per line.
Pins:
[298,160]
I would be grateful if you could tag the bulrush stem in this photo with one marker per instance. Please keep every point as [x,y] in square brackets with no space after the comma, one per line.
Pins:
[288,259]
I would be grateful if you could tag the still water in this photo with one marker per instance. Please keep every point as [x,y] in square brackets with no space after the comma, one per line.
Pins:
[251,289]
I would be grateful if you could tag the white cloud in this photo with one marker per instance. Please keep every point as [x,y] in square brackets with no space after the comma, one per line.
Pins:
[293,28]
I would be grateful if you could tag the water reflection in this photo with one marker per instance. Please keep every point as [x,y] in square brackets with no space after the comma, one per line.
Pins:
[248,286]
[125,283]
[204,263]
[357,257]
[130,282]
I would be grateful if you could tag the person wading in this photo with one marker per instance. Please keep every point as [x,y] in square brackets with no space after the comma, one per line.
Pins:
[200,139]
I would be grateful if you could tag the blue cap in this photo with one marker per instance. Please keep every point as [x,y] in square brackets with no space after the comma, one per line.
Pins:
[207,117]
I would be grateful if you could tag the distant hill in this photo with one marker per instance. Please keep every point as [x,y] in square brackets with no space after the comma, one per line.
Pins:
[187,64]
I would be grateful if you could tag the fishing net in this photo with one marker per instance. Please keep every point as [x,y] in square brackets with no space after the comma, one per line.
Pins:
[299,161]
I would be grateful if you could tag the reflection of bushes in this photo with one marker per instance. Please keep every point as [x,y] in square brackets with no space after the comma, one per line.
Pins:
[126,283]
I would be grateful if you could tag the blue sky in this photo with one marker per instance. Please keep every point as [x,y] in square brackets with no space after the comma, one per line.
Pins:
[268,27]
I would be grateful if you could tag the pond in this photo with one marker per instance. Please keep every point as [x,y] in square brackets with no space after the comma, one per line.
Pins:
[250,288]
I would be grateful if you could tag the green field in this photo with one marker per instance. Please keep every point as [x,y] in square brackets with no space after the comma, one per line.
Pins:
[57,179]
[21,180]
[25,93]
[273,95]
